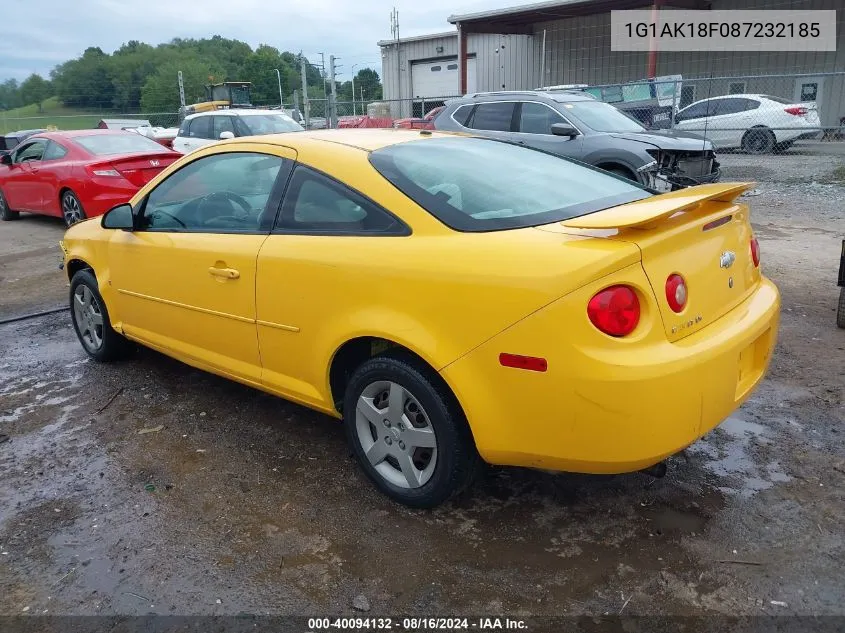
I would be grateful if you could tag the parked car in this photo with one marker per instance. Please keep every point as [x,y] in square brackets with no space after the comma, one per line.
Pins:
[162,135]
[385,278]
[578,126]
[758,124]
[10,141]
[198,130]
[840,312]
[420,123]
[77,175]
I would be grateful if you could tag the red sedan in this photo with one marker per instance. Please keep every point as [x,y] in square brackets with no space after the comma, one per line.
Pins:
[78,175]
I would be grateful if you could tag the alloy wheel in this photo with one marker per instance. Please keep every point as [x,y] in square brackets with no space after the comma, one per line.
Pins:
[396,434]
[71,209]
[88,317]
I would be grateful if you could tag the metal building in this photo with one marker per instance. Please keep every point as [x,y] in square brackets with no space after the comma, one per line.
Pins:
[568,42]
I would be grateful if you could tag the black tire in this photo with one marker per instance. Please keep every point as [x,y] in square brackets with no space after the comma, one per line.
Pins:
[759,140]
[104,344]
[457,460]
[72,210]
[6,214]
[840,312]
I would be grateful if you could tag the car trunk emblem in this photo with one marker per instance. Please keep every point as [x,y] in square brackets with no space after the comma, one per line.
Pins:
[727,259]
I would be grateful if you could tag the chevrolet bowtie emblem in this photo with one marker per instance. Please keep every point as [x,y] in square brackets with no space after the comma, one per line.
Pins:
[727,259]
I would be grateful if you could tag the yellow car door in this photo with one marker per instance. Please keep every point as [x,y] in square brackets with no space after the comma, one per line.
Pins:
[185,278]
[322,225]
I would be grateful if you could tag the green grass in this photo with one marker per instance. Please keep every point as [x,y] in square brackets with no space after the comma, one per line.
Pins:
[54,113]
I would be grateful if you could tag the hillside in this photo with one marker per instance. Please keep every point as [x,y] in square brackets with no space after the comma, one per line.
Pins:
[54,113]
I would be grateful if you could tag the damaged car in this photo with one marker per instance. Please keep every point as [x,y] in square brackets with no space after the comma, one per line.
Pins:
[575,125]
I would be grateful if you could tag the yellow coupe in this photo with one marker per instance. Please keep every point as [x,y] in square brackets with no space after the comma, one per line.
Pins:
[453,299]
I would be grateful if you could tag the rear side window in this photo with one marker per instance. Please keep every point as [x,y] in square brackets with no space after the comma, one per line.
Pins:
[314,203]
[450,178]
[461,115]
[201,127]
[54,151]
[495,116]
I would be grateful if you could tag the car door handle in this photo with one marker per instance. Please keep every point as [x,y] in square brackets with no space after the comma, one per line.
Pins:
[226,273]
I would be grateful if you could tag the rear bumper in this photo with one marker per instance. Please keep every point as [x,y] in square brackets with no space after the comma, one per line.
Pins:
[610,408]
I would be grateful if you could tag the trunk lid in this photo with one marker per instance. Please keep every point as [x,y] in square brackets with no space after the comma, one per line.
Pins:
[139,169]
[700,233]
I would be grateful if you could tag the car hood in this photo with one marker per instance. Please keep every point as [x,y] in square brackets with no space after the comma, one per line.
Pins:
[669,140]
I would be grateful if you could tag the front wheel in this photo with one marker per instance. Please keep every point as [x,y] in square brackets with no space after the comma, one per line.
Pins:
[407,432]
[72,210]
[6,213]
[91,320]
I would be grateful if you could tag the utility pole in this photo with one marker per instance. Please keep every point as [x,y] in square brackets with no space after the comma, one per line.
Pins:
[354,112]
[281,99]
[333,96]
[305,102]
[181,90]
[323,73]
[394,30]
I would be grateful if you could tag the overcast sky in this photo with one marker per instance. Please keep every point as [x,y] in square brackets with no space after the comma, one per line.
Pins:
[38,34]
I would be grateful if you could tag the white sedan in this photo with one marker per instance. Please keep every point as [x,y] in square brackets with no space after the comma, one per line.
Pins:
[758,124]
[198,130]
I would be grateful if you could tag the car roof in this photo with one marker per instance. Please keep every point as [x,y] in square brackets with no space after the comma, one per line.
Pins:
[237,112]
[563,96]
[364,139]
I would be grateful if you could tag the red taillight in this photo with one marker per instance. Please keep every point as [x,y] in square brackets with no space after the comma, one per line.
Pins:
[531,363]
[676,292]
[755,252]
[796,110]
[615,310]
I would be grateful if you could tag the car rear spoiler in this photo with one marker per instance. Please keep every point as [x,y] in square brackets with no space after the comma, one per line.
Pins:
[652,210]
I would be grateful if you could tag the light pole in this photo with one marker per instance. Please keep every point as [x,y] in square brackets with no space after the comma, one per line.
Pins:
[279,78]
[353,90]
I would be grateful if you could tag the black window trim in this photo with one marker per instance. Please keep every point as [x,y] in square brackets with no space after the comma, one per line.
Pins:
[403,230]
[274,200]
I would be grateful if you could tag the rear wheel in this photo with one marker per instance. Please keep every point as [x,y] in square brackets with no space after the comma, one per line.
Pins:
[6,213]
[72,210]
[758,140]
[91,320]
[407,432]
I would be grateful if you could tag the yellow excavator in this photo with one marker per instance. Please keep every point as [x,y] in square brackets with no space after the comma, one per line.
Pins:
[229,94]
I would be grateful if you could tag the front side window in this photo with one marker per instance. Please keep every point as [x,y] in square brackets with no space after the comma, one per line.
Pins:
[219,193]
[315,203]
[117,143]
[695,111]
[601,117]
[536,118]
[30,152]
[495,116]
[450,178]
[54,151]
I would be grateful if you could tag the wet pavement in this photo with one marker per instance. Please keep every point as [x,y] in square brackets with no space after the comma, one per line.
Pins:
[150,487]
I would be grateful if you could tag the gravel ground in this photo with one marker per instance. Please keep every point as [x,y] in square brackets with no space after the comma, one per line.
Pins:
[243,503]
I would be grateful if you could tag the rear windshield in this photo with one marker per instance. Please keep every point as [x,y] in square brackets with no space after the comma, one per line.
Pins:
[125,143]
[257,124]
[474,184]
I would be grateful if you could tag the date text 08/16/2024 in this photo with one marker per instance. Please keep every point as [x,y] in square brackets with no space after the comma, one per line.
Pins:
[417,624]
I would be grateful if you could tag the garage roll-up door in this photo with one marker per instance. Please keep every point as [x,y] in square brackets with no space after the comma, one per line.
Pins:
[440,78]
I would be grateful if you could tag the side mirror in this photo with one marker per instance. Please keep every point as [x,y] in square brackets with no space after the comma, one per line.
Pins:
[5,159]
[225,136]
[119,217]
[564,129]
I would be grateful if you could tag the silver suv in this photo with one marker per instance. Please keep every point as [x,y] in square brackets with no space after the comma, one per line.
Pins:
[576,125]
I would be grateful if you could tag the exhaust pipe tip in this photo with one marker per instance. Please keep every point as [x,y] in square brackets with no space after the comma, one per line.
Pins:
[658,471]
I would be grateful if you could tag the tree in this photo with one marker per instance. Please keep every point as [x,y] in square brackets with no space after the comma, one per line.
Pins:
[10,95]
[35,89]
[368,80]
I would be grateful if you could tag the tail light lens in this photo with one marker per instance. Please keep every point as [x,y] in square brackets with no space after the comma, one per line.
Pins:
[676,292]
[755,252]
[111,173]
[615,310]
[796,110]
